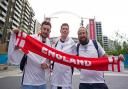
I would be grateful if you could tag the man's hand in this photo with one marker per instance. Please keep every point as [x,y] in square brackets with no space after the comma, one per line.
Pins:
[15,30]
[121,57]
[16,48]
[44,66]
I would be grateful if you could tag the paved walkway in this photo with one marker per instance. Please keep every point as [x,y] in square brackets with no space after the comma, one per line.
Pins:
[15,71]
[10,79]
[11,71]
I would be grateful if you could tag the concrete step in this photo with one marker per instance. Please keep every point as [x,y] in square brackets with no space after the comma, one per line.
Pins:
[3,67]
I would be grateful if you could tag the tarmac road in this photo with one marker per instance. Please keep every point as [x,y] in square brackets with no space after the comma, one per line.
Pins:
[11,79]
[113,82]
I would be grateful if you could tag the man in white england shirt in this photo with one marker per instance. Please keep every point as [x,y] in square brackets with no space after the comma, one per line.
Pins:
[62,74]
[34,71]
[91,79]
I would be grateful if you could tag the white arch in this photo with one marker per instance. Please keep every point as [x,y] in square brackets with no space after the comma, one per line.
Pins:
[65,12]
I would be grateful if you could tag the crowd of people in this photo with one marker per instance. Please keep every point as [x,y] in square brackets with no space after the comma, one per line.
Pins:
[34,73]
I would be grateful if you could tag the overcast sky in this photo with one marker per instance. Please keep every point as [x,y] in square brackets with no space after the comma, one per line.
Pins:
[112,13]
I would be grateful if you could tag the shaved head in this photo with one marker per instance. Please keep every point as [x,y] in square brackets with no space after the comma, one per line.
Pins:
[82,36]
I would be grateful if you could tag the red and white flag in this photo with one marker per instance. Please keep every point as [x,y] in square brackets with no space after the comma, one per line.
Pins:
[30,45]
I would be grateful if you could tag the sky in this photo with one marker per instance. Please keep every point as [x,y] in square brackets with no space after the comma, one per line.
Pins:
[113,14]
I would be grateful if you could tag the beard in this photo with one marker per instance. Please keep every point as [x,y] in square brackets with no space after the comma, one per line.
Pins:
[84,42]
[45,35]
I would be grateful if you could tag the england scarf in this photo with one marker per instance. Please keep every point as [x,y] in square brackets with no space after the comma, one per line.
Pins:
[30,45]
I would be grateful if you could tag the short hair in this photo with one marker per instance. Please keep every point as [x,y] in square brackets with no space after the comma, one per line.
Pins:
[46,23]
[84,28]
[65,24]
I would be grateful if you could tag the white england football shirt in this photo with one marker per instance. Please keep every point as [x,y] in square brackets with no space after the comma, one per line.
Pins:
[91,76]
[62,74]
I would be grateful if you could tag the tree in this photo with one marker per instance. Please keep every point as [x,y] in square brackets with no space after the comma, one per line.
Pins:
[121,44]
[125,47]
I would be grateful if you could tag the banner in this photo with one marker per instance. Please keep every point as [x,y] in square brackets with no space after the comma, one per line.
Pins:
[92,29]
[29,44]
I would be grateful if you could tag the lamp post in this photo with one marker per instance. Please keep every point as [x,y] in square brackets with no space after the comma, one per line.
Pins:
[48,18]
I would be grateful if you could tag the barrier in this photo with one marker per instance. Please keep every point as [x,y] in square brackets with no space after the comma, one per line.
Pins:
[126,60]
[3,58]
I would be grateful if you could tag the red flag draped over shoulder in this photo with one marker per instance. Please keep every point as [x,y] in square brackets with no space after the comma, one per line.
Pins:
[29,44]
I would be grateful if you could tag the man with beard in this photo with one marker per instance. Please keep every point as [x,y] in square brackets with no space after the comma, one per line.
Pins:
[34,71]
[62,74]
[90,79]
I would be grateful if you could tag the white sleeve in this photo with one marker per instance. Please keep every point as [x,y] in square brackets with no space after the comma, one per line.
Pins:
[14,56]
[100,49]
[37,59]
